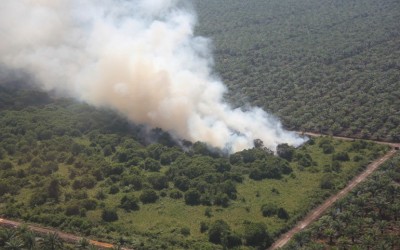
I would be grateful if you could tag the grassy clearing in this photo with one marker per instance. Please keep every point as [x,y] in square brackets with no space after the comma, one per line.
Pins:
[295,193]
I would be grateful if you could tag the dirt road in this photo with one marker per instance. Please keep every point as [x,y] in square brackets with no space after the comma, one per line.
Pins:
[317,212]
[64,236]
[391,144]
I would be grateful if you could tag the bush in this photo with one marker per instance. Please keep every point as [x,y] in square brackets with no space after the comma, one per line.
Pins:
[221,200]
[89,204]
[4,188]
[100,195]
[109,215]
[148,196]
[182,183]
[133,180]
[5,165]
[130,202]
[192,197]
[304,160]
[208,212]
[328,149]
[151,165]
[158,181]
[36,163]
[38,198]
[256,235]
[107,150]
[175,194]
[232,240]
[285,151]
[203,227]
[72,209]
[114,189]
[283,214]
[336,166]
[185,231]
[218,230]
[326,182]
[341,156]
[256,174]
[269,209]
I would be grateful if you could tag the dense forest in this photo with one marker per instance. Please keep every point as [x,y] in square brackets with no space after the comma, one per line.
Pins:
[368,218]
[88,171]
[322,66]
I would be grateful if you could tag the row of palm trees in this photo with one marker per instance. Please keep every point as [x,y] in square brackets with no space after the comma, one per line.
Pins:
[22,238]
[367,218]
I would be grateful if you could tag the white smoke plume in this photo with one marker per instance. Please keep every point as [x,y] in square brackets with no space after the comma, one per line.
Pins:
[138,57]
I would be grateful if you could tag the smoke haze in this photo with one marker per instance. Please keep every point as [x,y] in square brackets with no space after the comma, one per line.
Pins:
[138,57]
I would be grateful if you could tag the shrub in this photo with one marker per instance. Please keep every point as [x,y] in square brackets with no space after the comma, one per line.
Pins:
[283,214]
[341,156]
[72,209]
[148,196]
[217,231]
[208,212]
[175,194]
[221,200]
[285,151]
[185,231]
[256,235]
[158,181]
[114,189]
[133,180]
[232,240]
[130,202]
[5,165]
[100,195]
[182,183]
[203,227]
[192,197]
[328,149]
[269,209]
[109,214]
[89,204]
[151,165]
[326,182]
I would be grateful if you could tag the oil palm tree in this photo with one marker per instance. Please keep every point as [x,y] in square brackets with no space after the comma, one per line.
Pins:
[367,241]
[92,247]
[52,241]
[83,243]
[6,235]
[15,243]
[29,239]
[343,242]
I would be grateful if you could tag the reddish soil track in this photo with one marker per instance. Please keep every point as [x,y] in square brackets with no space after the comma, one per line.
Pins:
[318,211]
[70,238]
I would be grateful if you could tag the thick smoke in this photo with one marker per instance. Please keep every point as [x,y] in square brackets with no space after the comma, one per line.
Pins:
[138,57]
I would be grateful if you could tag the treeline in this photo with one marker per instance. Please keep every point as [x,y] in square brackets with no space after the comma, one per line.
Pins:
[365,219]
[321,66]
